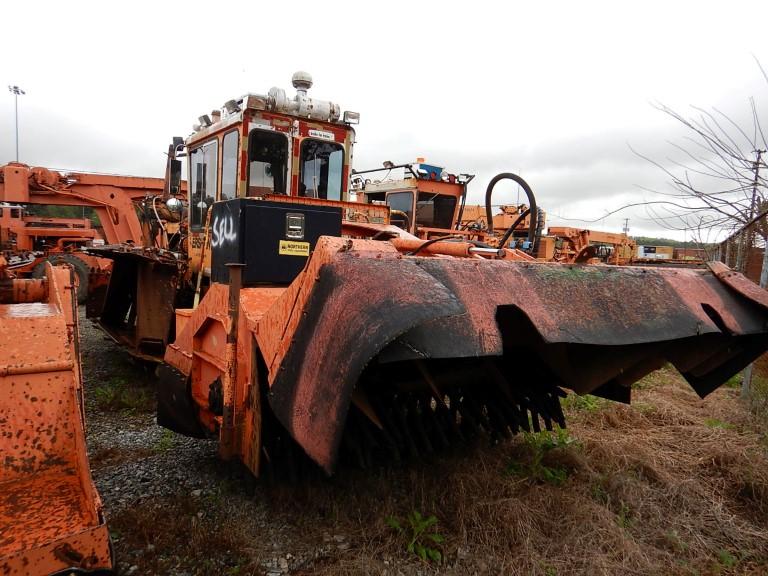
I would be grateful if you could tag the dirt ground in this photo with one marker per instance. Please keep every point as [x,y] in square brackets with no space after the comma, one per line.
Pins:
[671,485]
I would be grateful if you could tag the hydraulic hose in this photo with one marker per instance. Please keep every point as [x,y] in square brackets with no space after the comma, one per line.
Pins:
[528,192]
[539,229]
[461,208]
[467,179]
[511,229]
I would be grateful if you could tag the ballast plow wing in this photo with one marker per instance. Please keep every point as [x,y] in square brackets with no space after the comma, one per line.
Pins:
[51,519]
[432,349]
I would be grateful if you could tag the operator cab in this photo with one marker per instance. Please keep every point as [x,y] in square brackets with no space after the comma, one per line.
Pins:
[271,149]
[424,200]
[262,145]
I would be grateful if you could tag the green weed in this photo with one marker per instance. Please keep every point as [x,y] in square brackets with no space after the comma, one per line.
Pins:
[726,559]
[545,441]
[734,381]
[420,536]
[599,493]
[656,378]
[624,517]
[117,395]
[715,423]
[758,399]
[587,403]
[166,441]
[540,443]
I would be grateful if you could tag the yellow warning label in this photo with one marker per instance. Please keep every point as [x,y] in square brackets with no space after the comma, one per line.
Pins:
[293,248]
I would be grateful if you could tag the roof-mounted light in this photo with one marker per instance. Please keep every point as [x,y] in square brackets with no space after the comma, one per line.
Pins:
[204,120]
[232,107]
[352,117]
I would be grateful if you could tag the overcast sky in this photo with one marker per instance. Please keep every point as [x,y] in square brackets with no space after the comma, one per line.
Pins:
[554,91]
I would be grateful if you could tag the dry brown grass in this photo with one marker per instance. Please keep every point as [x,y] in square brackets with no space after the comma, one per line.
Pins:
[678,486]
[183,534]
[672,485]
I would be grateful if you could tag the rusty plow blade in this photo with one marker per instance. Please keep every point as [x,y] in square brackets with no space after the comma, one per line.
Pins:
[50,514]
[397,357]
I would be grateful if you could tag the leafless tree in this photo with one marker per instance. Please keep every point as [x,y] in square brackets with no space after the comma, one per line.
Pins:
[717,179]
[717,187]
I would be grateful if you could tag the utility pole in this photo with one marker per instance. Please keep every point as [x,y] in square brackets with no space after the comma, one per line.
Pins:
[746,381]
[16,91]
[626,226]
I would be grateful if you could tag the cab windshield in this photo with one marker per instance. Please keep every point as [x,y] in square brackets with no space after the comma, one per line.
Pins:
[435,210]
[322,166]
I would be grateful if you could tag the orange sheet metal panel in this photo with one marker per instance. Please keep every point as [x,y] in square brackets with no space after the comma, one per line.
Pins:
[15,185]
[50,513]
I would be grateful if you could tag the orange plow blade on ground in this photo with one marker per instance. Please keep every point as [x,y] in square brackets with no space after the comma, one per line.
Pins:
[50,513]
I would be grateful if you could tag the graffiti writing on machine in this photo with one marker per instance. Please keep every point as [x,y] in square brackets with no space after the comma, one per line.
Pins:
[223,231]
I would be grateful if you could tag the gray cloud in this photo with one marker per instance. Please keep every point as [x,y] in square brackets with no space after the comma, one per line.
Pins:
[556,99]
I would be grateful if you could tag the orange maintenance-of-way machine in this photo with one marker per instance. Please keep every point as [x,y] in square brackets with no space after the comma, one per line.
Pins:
[293,319]
[129,209]
[296,319]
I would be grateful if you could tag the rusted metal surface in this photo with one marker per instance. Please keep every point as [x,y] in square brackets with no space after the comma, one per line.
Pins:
[18,291]
[367,337]
[311,390]
[615,325]
[456,249]
[113,204]
[21,231]
[277,324]
[579,245]
[50,513]
[18,181]
[113,198]
[201,355]
[137,306]
[739,283]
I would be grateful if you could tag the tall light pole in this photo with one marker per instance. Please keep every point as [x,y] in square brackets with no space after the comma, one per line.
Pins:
[16,91]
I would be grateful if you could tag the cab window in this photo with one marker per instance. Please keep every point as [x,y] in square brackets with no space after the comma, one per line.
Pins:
[202,180]
[267,162]
[435,210]
[229,165]
[322,166]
